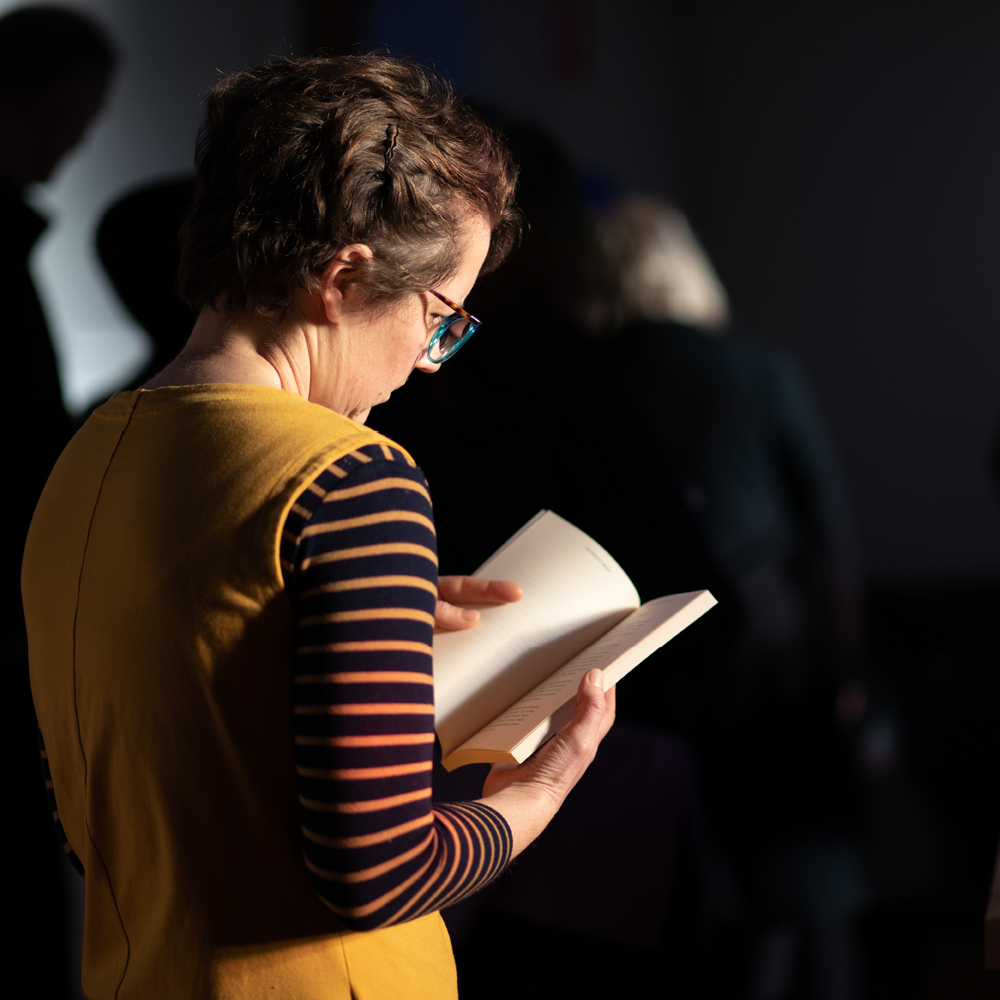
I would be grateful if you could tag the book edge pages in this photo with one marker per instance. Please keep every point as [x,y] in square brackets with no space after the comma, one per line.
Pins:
[552,723]
[685,616]
[459,758]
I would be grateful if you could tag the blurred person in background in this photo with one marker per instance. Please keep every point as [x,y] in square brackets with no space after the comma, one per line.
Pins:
[56,66]
[137,243]
[739,442]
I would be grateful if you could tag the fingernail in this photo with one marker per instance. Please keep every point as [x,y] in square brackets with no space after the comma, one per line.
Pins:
[469,614]
[596,677]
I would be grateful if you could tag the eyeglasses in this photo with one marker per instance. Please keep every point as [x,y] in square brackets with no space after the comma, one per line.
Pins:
[453,332]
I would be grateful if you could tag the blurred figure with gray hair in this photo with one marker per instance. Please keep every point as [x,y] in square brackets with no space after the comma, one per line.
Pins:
[736,425]
[658,268]
[737,438]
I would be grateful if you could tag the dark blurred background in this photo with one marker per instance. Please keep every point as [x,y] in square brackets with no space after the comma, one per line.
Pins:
[841,164]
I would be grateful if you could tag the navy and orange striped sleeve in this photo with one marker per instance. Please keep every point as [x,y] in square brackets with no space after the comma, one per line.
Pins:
[359,556]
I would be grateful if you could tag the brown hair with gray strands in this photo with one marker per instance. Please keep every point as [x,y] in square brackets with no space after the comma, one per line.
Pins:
[299,158]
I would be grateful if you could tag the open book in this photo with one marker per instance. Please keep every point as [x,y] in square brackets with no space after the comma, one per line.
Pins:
[502,688]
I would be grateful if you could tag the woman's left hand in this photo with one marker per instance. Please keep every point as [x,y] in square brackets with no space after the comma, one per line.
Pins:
[457,590]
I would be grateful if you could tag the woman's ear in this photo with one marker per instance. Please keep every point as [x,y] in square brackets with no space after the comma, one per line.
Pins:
[339,287]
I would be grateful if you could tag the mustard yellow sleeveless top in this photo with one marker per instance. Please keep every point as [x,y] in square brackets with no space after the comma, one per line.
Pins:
[160,645]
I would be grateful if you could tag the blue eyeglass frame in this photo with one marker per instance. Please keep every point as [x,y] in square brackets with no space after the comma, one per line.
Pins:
[446,324]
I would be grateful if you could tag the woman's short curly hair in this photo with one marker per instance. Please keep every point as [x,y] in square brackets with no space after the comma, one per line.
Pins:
[298,158]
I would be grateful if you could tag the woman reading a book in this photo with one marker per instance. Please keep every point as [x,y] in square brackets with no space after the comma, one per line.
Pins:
[231,583]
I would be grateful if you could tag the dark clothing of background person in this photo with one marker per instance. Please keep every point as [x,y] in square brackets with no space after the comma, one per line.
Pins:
[741,444]
[37,425]
[36,428]
[640,817]
[739,440]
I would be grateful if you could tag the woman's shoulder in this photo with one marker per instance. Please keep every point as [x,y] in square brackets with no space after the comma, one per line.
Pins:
[373,468]
[374,498]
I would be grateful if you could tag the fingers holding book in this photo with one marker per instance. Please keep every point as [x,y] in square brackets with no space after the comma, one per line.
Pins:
[455,591]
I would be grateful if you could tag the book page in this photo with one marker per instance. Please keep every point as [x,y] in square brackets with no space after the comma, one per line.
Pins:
[550,705]
[573,592]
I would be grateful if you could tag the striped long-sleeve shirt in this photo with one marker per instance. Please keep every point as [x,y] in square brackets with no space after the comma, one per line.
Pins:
[360,562]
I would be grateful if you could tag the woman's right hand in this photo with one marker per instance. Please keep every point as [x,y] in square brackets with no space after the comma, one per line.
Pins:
[528,795]
[454,591]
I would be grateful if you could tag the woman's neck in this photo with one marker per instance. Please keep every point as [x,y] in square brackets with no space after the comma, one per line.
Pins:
[224,348]
[303,355]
